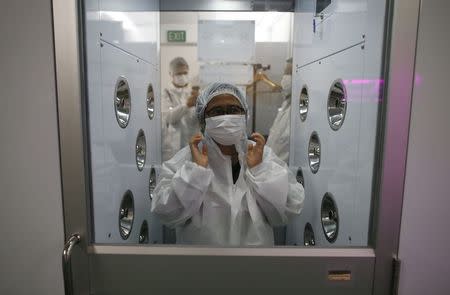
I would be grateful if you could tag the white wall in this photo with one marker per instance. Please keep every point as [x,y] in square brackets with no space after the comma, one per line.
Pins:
[424,239]
[31,222]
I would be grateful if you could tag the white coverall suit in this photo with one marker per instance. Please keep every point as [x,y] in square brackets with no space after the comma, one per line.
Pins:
[206,207]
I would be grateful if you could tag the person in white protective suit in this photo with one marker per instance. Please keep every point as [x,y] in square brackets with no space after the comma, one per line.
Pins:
[224,189]
[279,133]
[179,121]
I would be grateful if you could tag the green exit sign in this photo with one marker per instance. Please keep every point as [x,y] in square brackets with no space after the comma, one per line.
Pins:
[176,36]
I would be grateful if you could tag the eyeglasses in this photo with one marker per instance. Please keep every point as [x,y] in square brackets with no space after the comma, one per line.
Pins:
[225,110]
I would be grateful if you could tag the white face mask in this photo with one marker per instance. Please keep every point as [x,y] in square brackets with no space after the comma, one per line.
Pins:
[181,80]
[226,129]
[286,84]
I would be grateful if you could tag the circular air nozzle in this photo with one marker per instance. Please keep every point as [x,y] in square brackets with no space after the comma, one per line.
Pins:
[152,182]
[141,147]
[126,215]
[304,102]
[314,152]
[143,233]
[122,102]
[308,236]
[299,177]
[337,105]
[329,217]
[150,102]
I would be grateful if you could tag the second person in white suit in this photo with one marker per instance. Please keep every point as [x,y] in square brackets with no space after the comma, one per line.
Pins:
[179,121]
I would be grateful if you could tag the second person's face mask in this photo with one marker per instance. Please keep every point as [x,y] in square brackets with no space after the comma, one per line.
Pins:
[181,80]
[226,129]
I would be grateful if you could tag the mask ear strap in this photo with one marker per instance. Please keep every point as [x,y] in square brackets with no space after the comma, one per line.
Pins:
[241,148]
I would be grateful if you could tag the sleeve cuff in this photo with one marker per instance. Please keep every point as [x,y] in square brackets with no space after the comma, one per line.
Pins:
[198,176]
[258,169]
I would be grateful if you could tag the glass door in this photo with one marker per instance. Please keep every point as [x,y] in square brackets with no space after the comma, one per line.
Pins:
[316,209]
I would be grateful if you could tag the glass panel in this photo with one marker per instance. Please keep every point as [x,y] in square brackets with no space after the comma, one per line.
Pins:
[213,153]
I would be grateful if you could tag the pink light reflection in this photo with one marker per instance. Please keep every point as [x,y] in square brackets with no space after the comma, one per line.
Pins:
[374,95]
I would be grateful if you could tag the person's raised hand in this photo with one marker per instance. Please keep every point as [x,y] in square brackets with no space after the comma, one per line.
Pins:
[255,152]
[195,91]
[198,157]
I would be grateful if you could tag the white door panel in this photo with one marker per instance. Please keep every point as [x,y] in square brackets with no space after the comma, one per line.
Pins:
[339,149]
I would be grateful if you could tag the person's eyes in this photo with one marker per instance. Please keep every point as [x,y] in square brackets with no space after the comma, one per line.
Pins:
[216,112]
[236,110]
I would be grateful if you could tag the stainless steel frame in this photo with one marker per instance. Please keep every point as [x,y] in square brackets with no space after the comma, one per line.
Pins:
[69,87]
[401,31]
[203,270]
[94,267]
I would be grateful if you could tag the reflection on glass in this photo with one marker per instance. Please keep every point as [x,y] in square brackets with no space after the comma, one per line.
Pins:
[337,105]
[126,215]
[304,101]
[150,102]
[143,234]
[308,236]
[140,150]
[329,217]
[314,152]
[179,72]
[122,102]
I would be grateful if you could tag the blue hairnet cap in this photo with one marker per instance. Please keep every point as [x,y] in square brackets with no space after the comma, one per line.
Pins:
[213,90]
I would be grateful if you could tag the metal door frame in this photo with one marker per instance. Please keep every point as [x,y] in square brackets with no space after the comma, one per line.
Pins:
[375,262]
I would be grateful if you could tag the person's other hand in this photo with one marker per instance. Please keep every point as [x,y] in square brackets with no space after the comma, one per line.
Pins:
[198,157]
[192,99]
[255,152]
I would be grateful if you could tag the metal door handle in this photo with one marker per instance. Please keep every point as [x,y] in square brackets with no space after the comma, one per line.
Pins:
[66,262]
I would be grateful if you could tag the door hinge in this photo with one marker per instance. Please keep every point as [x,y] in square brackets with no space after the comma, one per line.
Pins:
[396,264]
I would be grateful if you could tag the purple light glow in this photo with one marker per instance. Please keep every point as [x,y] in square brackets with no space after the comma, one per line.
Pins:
[364,81]
[418,79]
